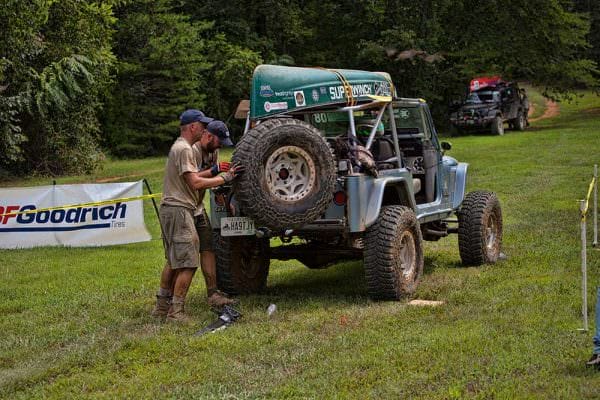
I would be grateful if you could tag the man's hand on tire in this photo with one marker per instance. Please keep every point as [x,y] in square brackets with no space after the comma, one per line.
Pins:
[234,171]
[222,166]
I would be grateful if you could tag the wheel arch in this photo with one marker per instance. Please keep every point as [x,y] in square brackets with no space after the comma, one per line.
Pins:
[389,191]
[460,185]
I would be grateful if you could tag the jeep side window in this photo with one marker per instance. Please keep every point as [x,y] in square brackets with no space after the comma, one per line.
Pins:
[425,123]
[409,120]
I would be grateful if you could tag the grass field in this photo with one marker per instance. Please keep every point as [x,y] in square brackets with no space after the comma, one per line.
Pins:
[75,322]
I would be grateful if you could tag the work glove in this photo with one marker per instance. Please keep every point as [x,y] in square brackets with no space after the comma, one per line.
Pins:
[234,171]
[222,166]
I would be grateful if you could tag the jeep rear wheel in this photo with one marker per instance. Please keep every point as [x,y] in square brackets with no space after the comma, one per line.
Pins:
[480,228]
[242,263]
[289,176]
[393,256]
[519,122]
[498,126]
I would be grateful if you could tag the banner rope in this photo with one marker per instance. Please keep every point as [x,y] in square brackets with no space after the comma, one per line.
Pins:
[81,205]
[587,199]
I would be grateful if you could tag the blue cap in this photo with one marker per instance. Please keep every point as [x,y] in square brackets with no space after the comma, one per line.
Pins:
[219,129]
[193,115]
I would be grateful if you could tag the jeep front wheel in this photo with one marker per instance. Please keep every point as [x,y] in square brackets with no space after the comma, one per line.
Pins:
[393,256]
[289,176]
[480,228]
[242,263]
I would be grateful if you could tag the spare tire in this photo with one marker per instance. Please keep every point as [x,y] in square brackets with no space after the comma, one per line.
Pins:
[289,176]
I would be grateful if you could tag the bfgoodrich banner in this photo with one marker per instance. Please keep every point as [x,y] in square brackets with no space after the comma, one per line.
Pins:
[93,225]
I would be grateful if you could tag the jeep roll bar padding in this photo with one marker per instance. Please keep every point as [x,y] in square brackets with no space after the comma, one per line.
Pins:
[395,136]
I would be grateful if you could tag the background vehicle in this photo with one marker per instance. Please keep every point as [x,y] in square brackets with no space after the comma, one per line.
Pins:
[489,104]
[338,167]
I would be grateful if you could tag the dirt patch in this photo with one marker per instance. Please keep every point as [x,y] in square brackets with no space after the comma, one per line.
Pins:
[552,110]
[592,111]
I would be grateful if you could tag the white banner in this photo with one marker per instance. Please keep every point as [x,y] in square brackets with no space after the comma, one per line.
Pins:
[93,225]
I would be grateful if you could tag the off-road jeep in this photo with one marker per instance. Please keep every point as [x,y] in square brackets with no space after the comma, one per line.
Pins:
[490,102]
[338,167]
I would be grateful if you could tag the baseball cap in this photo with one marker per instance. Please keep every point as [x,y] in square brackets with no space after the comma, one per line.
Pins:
[219,129]
[193,115]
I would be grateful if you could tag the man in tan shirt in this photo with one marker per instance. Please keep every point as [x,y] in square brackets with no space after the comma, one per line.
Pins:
[181,202]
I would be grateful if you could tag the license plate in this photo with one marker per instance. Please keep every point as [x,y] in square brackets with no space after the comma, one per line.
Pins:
[237,226]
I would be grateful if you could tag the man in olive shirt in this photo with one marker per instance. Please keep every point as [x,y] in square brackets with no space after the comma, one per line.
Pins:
[181,202]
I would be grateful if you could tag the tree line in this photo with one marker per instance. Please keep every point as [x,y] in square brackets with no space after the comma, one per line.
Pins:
[82,79]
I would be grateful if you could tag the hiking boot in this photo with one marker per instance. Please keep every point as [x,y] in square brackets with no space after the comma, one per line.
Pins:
[594,361]
[176,313]
[161,308]
[217,300]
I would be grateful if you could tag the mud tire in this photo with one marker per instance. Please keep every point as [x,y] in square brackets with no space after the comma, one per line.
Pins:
[393,256]
[480,228]
[242,263]
[497,126]
[256,189]
[520,122]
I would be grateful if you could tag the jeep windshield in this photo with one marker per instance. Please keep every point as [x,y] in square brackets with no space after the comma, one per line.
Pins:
[484,96]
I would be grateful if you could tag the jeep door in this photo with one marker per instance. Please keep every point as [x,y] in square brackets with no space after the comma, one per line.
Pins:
[510,102]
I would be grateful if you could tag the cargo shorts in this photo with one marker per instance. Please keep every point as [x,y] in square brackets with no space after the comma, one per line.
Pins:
[204,231]
[180,238]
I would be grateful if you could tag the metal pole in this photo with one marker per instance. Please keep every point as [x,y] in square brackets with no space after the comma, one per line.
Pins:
[162,232]
[595,242]
[583,267]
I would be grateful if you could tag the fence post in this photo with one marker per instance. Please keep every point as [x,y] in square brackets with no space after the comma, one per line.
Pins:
[595,242]
[582,207]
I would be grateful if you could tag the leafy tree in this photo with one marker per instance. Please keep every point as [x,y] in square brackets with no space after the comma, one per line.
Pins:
[159,74]
[229,77]
[54,69]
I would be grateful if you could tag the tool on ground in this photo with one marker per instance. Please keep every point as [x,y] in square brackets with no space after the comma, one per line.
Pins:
[227,316]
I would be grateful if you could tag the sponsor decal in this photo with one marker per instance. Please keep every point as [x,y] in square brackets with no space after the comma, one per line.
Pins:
[475,85]
[46,221]
[299,98]
[382,89]
[286,94]
[266,91]
[281,105]
[323,90]
[338,92]
[404,113]
[315,95]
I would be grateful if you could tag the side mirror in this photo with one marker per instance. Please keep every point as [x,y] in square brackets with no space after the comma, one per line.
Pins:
[446,146]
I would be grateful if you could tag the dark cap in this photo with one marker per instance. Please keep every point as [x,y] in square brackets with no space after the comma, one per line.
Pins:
[219,129]
[192,115]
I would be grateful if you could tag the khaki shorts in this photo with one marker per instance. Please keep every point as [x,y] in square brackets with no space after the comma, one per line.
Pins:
[204,231]
[180,237]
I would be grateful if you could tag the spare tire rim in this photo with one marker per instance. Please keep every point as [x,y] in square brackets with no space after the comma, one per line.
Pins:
[491,234]
[407,255]
[290,173]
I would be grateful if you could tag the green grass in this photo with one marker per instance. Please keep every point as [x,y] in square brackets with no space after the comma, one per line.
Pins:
[75,322]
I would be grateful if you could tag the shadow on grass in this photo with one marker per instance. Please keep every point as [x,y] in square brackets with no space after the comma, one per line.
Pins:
[342,284]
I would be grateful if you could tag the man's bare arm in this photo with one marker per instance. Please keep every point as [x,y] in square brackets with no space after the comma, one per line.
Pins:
[196,181]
